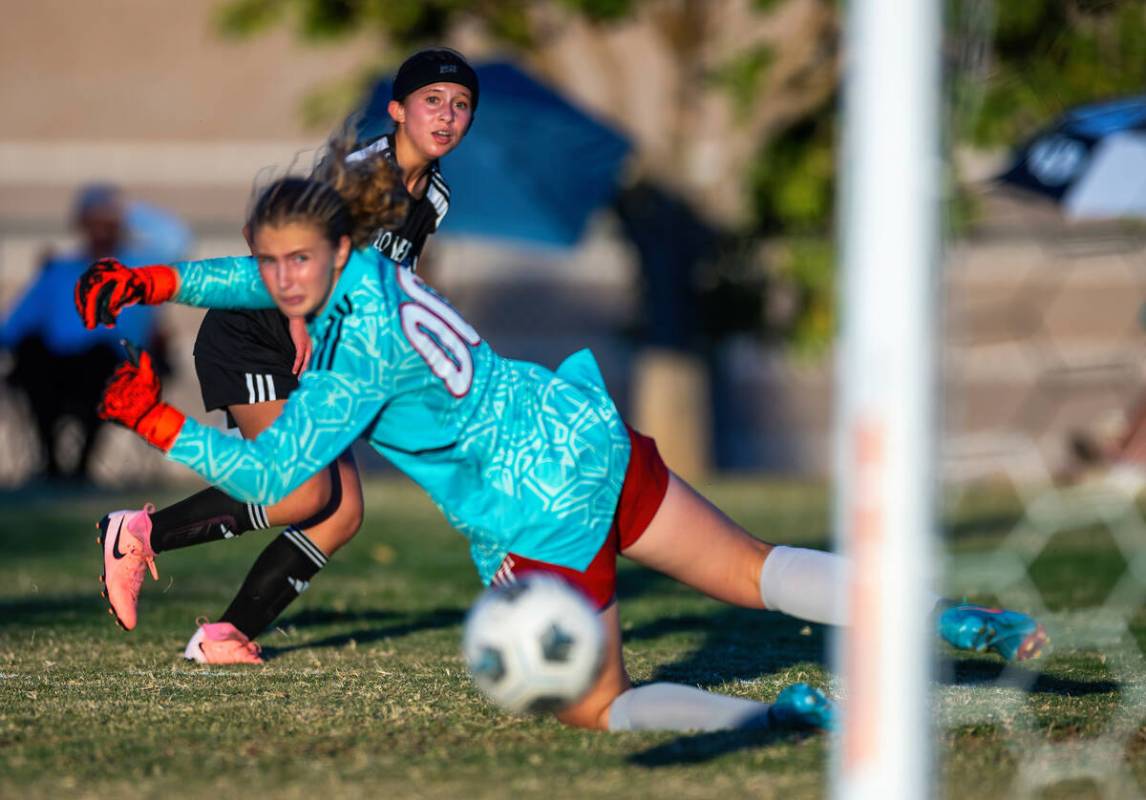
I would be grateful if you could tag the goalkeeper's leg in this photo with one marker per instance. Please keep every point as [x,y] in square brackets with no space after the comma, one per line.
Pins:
[614,704]
[693,541]
[285,568]
[326,512]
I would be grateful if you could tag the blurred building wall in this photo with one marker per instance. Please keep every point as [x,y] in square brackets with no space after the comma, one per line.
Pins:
[1042,319]
[1042,335]
[145,94]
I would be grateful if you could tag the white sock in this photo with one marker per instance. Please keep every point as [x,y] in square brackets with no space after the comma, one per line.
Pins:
[675,707]
[806,584]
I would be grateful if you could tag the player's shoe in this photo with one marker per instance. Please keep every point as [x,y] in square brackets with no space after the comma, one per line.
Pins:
[125,539]
[1011,634]
[803,707]
[221,643]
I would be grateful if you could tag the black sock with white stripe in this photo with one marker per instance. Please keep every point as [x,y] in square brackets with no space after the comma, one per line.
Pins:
[280,574]
[207,516]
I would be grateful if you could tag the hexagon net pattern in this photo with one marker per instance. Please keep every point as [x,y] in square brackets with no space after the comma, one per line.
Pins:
[1032,339]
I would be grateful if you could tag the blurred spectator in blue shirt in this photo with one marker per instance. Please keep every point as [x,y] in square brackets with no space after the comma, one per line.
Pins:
[59,365]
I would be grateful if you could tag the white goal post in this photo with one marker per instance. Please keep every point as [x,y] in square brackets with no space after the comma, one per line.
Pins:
[886,418]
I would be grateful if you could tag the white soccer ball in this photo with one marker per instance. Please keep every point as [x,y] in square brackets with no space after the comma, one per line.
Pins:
[534,646]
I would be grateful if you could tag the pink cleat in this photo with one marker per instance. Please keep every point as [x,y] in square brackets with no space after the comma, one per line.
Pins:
[125,538]
[221,643]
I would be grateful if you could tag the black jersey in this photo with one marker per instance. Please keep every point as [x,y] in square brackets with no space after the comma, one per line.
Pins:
[404,244]
[258,342]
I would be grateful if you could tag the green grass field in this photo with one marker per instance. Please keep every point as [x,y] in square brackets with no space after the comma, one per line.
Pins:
[365,693]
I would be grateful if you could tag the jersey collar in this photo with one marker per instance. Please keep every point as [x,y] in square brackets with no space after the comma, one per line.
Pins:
[360,264]
[387,142]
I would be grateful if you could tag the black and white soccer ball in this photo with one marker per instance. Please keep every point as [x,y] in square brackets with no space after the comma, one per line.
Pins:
[534,646]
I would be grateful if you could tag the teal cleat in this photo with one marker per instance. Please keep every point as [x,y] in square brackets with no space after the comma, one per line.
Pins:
[802,707]
[1013,635]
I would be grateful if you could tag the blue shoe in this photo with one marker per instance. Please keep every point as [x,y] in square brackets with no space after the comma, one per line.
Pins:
[802,707]
[1014,636]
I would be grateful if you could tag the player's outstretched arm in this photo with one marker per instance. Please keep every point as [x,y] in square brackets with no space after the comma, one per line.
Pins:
[330,409]
[229,282]
[309,434]
[107,287]
[320,420]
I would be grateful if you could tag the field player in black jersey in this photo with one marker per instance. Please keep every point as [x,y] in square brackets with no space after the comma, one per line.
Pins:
[248,362]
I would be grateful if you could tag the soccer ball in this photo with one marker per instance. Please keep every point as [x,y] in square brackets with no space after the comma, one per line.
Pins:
[534,646]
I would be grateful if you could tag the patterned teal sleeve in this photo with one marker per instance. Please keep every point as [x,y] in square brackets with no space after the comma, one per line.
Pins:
[320,420]
[231,282]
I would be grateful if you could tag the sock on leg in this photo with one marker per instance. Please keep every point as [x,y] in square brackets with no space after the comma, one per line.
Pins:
[809,585]
[204,517]
[806,584]
[279,575]
[675,707]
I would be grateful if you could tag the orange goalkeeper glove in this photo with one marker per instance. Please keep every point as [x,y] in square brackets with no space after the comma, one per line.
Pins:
[131,398]
[107,287]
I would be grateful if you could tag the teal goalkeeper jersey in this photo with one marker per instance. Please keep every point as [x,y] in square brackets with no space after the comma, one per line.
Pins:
[520,459]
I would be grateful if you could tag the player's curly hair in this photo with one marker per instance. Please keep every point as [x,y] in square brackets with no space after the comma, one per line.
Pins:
[347,194]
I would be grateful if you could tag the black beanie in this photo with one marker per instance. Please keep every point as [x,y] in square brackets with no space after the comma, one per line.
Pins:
[436,65]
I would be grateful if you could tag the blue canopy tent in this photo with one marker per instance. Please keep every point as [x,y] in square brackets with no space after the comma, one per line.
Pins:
[1092,160]
[532,168]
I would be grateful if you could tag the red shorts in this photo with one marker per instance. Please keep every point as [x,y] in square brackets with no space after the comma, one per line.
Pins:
[646,481]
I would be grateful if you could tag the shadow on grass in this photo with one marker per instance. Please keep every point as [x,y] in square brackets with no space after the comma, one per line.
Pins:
[742,644]
[975,672]
[982,525]
[398,625]
[312,617]
[42,537]
[36,610]
[634,582]
[738,644]
[702,747]
[698,748]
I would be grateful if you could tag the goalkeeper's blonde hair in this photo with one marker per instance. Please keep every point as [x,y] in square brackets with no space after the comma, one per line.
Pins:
[346,194]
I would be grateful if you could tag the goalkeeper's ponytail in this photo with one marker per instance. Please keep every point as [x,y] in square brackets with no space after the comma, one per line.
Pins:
[346,195]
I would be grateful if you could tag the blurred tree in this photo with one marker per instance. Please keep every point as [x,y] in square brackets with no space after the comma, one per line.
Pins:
[1012,68]
[1046,56]
[732,102]
[697,84]
[700,85]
